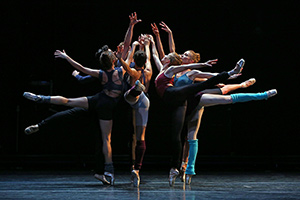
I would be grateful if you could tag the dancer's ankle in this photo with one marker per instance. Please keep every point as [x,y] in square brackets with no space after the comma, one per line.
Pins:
[238,68]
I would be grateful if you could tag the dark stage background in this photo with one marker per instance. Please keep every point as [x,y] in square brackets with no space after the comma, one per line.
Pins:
[264,33]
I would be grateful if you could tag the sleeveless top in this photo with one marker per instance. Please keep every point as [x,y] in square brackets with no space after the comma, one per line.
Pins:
[162,83]
[110,85]
[182,80]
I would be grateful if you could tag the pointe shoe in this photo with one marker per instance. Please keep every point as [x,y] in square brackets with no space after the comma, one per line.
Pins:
[102,179]
[188,179]
[237,69]
[106,179]
[31,129]
[172,176]
[139,86]
[135,177]
[241,64]
[248,83]
[32,97]
[271,93]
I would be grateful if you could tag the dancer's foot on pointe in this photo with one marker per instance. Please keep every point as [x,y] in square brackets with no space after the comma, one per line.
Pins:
[248,83]
[102,179]
[106,179]
[188,179]
[31,129]
[238,68]
[172,176]
[271,93]
[36,98]
[135,178]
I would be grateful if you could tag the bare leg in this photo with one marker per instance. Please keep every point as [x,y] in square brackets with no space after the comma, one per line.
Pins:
[185,155]
[194,123]
[133,146]
[106,127]
[230,87]
[108,177]
[58,100]
[72,102]
[185,151]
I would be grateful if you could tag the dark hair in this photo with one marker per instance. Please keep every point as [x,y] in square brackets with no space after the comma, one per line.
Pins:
[107,59]
[140,58]
[100,51]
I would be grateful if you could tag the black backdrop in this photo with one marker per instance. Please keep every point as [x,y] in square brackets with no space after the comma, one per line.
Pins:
[264,33]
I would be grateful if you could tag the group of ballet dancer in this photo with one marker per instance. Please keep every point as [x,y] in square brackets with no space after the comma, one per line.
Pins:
[181,86]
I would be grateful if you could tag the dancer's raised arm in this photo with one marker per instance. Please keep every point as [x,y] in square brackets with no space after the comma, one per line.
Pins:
[126,64]
[129,33]
[170,36]
[158,41]
[156,56]
[76,65]
[147,40]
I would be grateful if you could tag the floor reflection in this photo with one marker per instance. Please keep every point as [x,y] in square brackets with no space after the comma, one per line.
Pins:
[154,186]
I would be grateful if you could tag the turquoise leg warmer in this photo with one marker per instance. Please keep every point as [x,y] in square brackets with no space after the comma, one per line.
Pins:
[190,169]
[244,97]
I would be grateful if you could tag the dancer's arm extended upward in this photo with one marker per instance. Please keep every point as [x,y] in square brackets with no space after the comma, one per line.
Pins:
[126,65]
[129,33]
[156,56]
[170,36]
[148,54]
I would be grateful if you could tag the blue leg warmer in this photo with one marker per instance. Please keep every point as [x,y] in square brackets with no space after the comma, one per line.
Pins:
[190,169]
[244,97]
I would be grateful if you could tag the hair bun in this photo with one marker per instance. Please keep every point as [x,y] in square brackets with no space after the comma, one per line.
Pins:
[100,51]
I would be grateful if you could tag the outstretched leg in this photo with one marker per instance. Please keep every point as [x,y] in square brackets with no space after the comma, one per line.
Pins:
[214,99]
[58,100]
[230,87]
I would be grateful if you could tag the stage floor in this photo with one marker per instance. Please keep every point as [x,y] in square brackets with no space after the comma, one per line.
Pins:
[77,185]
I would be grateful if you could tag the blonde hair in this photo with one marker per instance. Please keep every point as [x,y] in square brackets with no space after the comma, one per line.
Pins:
[194,56]
[175,59]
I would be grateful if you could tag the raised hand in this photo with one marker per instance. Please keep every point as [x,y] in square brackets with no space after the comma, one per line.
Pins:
[135,43]
[155,29]
[165,27]
[133,19]
[150,37]
[145,39]
[141,40]
[60,54]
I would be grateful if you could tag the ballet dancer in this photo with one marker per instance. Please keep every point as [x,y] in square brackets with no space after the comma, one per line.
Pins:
[103,103]
[177,96]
